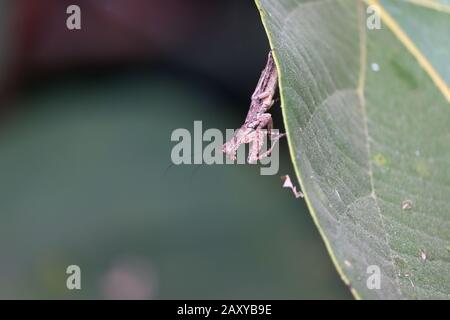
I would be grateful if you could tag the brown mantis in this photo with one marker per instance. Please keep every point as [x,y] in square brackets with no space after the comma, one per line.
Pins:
[252,131]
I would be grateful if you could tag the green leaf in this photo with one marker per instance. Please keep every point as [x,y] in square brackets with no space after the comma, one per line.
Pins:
[368,121]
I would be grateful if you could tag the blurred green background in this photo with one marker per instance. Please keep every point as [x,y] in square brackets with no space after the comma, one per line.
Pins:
[85,168]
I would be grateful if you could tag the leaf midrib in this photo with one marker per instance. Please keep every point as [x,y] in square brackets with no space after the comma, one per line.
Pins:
[362,100]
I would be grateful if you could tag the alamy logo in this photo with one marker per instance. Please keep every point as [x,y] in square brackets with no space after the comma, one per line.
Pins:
[73,281]
[374,280]
[73,22]
[374,19]
[191,150]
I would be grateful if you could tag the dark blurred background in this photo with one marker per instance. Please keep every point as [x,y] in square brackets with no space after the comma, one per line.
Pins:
[86,119]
